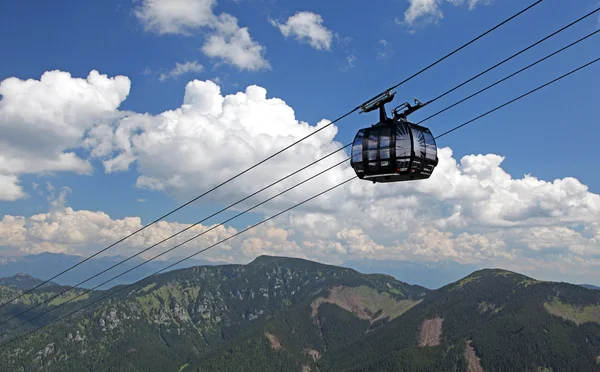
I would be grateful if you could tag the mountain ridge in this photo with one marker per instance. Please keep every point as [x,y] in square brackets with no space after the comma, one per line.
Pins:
[280,313]
[45,265]
[23,281]
[590,286]
[205,306]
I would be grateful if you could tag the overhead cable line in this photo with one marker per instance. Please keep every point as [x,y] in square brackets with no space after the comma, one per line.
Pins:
[272,184]
[170,237]
[178,262]
[462,47]
[511,75]
[242,231]
[516,54]
[171,249]
[271,156]
[520,97]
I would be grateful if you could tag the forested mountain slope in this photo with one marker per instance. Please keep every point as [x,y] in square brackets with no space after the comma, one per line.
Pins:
[23,281]
[492,320]
[284,314]
[173,319]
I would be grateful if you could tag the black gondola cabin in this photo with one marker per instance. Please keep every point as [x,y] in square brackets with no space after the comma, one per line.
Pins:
[394,149]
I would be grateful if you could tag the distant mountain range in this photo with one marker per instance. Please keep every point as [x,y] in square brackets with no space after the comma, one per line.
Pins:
[46,265]
[427,274]
[23,281]
[430,275]
[589,286]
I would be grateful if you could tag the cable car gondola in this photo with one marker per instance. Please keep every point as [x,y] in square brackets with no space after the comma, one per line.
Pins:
[394,149]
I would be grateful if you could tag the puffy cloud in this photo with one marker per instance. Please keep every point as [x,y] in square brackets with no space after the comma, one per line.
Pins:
[58,108]
[10,189]
[423,8]
[84,232]
[358,242]
[42,121]
[229,133]
[470,210]
[234,45]
[226,41]
[64,230]
[238,130]
[430,9]
[530,250]
[180,69]
[175,16]
[306,27]
[266,239]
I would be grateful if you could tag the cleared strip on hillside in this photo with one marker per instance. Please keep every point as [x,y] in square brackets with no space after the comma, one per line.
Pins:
[365,302]
[275,344]
[313,353]
[473,361]
[431,332]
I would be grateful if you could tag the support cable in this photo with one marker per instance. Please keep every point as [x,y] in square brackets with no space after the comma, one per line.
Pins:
[321,193]
[171,249]
[269,157]
[178,262]
[299,170]
[519,97]
[516,54]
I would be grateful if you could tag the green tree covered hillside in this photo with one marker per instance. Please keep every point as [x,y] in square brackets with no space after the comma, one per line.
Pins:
[284,314]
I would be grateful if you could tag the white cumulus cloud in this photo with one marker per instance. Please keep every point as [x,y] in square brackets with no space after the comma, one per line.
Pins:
[175,16]
[306,27]
[226,40]
[470,210]
[180,69]
[430,10]
[234,45]
[84,232]
[212,132]
[10,190]
[42,121]
[423,8]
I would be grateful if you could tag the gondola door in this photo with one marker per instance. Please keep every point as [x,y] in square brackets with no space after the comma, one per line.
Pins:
[378,152]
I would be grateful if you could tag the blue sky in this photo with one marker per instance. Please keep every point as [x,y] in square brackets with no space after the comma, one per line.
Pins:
[551,134]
